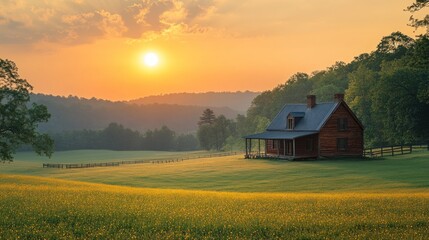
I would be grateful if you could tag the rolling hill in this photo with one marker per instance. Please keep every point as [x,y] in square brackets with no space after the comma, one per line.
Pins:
[239,101]
[73,113]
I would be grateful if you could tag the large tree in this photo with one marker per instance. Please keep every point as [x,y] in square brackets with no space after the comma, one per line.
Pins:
[19,119]
[418,5]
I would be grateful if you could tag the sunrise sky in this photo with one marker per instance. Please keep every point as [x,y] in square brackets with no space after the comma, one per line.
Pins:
[94,48]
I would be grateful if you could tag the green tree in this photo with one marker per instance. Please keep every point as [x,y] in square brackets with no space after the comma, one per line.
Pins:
[415,7]
[403,116]
[208,117]
[186,142]
[117,137]
[222,129]
[395,43]
[18,119]
[205,136]
[213,134]
[160,139]
[359,96]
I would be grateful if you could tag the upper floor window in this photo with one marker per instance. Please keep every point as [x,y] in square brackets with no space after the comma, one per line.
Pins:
[342,124]
[290,123]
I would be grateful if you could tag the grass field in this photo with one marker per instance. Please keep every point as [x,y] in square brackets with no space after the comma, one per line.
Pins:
[43,208]
[253,199]
[236,174]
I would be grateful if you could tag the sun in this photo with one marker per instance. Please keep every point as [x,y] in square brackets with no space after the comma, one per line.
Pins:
[150,59]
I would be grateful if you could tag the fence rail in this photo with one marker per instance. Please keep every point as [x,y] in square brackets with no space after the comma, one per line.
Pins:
[393,150]
[113,164]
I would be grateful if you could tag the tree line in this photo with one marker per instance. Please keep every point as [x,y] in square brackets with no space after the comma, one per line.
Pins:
[76,113]
[117,137]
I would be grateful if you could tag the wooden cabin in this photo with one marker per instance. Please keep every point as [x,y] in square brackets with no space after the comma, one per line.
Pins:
[311,130]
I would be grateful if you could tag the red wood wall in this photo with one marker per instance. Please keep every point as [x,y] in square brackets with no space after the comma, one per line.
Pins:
[271,150]
[301,146]
[329,134]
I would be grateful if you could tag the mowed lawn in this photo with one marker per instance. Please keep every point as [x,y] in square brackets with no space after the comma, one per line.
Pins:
[46,208]
[234,173]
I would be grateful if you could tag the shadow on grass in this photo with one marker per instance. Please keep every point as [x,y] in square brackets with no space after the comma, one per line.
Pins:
[324,159]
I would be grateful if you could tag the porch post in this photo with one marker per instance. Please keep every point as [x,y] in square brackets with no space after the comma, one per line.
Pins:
[265,147]
[293,148]
[259,147]
[278,148]
[246,149]
[250,146]
[284,147]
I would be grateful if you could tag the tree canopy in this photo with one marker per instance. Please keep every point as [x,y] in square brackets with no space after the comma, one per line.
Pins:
[388,89]
[208,117]
[18,119]
[416,6]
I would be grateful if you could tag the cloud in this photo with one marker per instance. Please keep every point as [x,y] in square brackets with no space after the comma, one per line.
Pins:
[81,21]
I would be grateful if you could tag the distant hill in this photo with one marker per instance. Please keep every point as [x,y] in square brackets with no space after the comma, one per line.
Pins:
[239,101]
[73,113]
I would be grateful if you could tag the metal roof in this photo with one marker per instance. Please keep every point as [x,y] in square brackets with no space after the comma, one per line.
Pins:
[297,114]
[312,120]
[279,135]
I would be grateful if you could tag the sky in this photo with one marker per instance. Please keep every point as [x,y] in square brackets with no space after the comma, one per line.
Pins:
[93,48]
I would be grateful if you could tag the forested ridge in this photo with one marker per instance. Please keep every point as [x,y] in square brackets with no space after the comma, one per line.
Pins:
[239,101]
[73,114]
[388,89]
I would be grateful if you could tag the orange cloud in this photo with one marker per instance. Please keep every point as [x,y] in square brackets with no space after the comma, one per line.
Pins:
[84,20]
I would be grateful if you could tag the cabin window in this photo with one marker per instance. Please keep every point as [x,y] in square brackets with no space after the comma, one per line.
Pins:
[342,124]
[290,123]
[342,144]
[309,145]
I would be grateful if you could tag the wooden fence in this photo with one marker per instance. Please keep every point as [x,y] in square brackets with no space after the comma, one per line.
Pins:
[112,164]
[393,150]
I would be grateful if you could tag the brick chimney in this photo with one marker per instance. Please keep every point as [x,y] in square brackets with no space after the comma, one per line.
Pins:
[311,101]
[338,97]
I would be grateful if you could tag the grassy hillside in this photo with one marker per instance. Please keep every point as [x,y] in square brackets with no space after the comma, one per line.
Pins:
[234,173]
[34,207]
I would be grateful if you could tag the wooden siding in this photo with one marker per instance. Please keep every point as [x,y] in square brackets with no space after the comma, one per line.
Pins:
[301,146]
[274,151]
[329,134]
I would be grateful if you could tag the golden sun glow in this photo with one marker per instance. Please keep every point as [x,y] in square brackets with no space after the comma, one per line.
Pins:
[150,59]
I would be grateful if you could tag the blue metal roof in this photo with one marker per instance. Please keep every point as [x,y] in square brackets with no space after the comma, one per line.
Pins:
[297,114]
[312,120]
[279,135]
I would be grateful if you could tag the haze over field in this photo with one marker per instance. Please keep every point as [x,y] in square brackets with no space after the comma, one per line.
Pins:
[72,113]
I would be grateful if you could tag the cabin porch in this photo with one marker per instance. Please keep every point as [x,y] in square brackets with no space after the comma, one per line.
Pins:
[289,147]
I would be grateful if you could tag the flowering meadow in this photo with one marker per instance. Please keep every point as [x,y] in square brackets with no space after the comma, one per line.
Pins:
[46,208]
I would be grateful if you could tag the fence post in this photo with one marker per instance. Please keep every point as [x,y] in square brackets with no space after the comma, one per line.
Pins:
[392,151]
[382,151]
[411,148]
